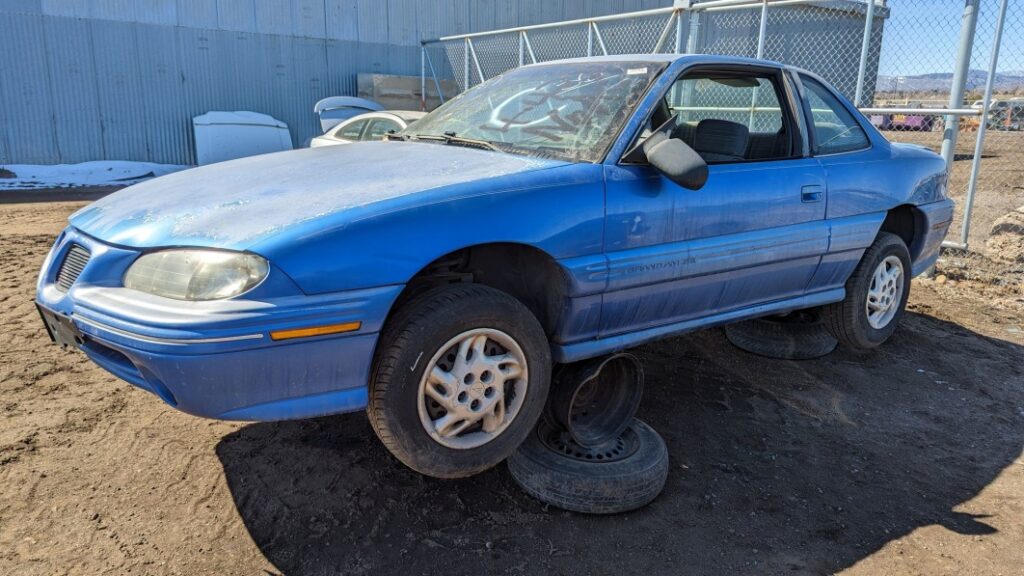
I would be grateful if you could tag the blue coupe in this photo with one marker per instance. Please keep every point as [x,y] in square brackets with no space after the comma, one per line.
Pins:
[555,213]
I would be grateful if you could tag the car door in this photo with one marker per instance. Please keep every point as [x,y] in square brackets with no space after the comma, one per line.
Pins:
[753,234]
[857,196]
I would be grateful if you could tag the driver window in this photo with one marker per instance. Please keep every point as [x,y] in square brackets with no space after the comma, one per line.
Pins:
[729,117]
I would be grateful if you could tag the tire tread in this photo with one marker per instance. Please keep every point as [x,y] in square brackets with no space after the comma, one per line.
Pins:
[398,334]
[842,318]
[593,487]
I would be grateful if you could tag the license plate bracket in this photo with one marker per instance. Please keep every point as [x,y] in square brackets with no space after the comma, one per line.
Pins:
[61,329]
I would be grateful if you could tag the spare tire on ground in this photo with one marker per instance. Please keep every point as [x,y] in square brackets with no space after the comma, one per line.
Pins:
[623,474]
[1006,238]
[800,335]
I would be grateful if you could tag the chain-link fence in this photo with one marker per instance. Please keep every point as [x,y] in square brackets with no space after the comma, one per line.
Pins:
[946,75]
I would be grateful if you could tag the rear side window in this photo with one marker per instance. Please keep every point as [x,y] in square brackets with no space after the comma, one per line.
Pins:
[379,127]
[835,129]
[351,131]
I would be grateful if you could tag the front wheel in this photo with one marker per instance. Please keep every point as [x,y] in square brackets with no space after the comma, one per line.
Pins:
[876,295]
[460,379]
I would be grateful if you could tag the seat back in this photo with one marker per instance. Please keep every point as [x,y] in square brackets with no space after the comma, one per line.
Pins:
[721,140]
[764,146]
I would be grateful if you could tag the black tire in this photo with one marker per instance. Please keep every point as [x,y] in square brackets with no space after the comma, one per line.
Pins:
[797,336]
[412,336]
[847,320]
[554,476]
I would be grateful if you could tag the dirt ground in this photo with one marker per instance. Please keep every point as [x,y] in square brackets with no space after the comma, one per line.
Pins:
[999,191]
[907,460]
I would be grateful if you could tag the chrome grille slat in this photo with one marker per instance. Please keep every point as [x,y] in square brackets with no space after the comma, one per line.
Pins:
[72,266]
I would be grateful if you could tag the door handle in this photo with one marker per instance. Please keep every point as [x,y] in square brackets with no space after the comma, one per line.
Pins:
[811,193]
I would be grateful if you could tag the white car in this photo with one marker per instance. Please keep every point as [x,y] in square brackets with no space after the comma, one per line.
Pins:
[369,126]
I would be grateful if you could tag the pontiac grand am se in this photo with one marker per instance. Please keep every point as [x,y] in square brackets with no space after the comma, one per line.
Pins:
[555,213]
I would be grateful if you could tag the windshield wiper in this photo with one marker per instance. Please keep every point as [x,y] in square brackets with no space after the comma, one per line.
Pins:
[396,136]
[451,139]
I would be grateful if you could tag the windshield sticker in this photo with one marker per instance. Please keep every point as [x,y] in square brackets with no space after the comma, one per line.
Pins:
[633,71]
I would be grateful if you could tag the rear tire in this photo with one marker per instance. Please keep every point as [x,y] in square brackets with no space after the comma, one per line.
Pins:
[489,368]
[876,295]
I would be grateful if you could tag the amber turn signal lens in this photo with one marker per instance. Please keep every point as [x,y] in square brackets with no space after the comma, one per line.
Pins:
[315,331]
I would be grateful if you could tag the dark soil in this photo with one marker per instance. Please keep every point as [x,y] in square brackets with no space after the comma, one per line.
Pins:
[905,460]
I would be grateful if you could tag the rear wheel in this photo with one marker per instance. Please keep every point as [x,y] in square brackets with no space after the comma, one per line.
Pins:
[461,377]
[876,295]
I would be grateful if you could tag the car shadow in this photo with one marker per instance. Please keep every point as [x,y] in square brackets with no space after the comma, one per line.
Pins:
[776,466]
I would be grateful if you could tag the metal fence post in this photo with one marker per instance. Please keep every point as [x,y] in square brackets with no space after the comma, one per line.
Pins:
[979,144]
[600,40]
[761,30]
[465,64]
[956,95]
[521,34]
[476,61]
[590,38]
[664,35]
[679,32]
[529,47]
[423,78]
[869,26]
[691,40]
[433,74]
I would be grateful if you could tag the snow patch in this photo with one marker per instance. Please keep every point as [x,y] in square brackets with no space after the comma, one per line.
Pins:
[99,173]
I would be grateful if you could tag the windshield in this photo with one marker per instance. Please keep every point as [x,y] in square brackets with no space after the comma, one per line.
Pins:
[569,111]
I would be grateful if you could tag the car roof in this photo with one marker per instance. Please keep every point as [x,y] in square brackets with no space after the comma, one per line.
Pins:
[668,59]
[407,115]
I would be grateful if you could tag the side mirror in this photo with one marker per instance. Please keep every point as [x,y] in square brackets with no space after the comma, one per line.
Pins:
[676,161]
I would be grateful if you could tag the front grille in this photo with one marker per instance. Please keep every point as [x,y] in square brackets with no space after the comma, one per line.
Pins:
[72,266]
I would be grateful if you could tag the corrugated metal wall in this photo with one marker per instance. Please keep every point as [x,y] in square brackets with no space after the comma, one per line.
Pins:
[121,79]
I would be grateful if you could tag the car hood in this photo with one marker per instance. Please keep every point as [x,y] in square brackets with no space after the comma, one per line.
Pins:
[237,203]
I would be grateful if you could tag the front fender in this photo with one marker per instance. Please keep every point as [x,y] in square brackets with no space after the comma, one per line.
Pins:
[558,210]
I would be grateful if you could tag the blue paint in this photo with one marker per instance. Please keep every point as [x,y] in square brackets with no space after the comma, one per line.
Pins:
[344,229]
[304,407]
[592,348]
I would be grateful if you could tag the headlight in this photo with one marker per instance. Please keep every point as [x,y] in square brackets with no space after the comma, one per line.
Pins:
[196,274]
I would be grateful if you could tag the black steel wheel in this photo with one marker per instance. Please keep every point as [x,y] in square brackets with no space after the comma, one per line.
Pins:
[623,474]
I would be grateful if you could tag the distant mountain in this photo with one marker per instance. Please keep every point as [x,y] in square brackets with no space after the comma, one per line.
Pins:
[1005,81]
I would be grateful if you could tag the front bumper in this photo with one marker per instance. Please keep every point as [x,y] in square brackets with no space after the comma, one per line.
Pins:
[217,359]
